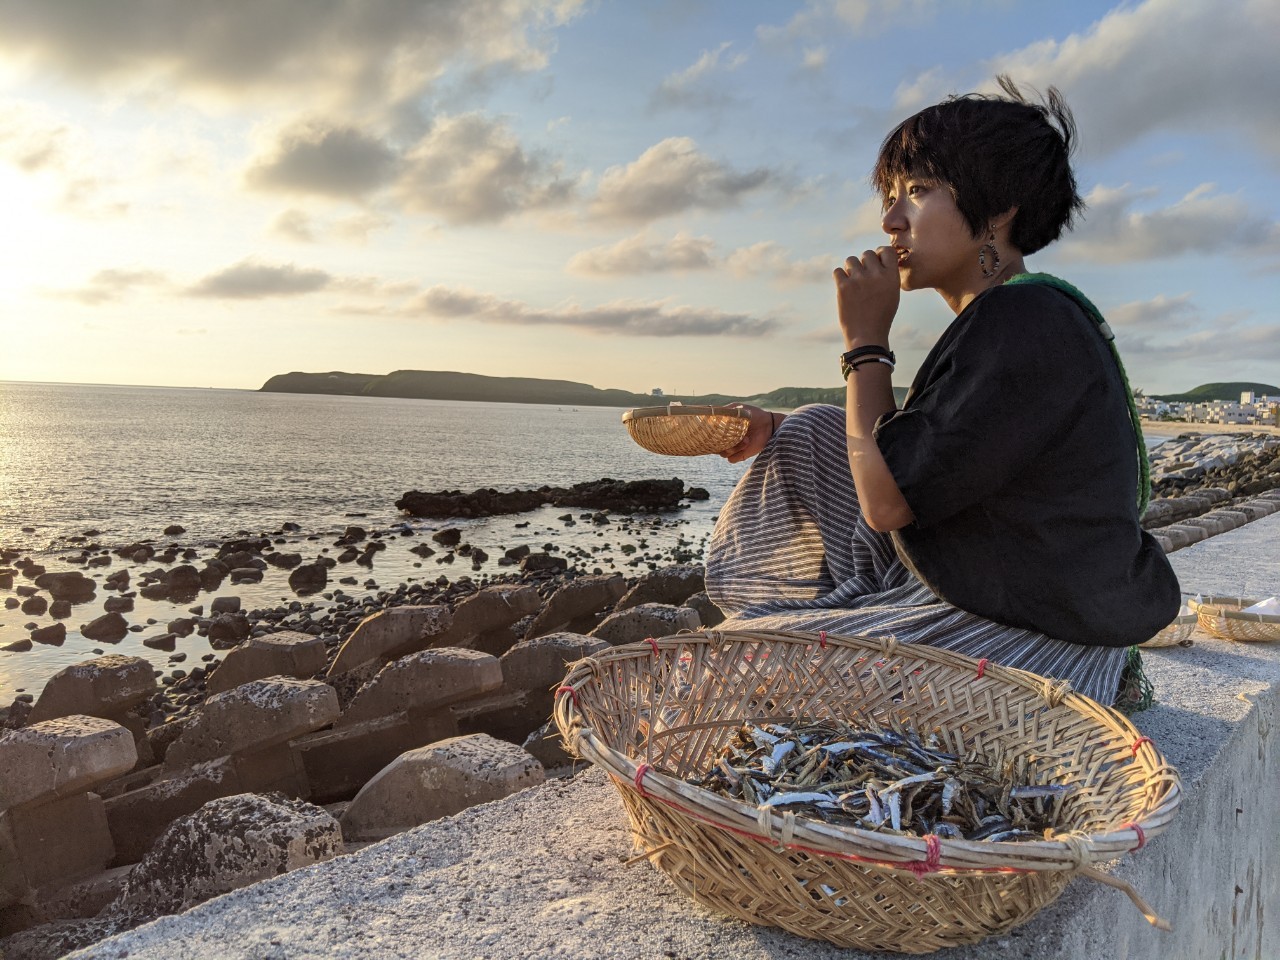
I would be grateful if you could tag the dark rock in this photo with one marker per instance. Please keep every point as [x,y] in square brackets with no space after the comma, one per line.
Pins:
[309,578]
[108,628]
[227,630]
[183,581]
[35,606]
[118,604]
[286,561]
[543,562]
[449,537]
[246,575]
[224,605]
[19,646]
[672,585]
[624,496]
[73,586]
[174,530]
[54,635]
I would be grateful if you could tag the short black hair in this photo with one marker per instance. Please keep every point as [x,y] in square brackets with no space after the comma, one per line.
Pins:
[994,152]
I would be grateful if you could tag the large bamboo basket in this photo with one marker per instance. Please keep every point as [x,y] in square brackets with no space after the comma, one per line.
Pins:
[653,713]
[1224,617]
[680,431]
[1176,634]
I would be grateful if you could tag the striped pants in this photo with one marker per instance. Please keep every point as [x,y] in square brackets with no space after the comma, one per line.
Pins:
[791,551]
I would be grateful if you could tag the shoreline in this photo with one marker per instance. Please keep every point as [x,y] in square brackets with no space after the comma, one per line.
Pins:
[1174,428]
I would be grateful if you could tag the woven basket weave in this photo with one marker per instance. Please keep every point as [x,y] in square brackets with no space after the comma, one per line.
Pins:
[1224,617]
[692,431]
[1176,634]
[652,714]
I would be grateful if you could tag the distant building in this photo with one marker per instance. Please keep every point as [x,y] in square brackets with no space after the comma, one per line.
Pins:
[656,392]
[1246,398]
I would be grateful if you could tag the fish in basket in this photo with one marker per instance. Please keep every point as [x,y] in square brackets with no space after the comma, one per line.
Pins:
[975,794]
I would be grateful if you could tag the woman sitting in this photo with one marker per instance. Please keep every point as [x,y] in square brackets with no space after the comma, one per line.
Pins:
[996,513]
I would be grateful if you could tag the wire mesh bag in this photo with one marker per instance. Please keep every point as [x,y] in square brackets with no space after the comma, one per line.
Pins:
[680,431]
[1176,634]
[653,714]
[1225,617]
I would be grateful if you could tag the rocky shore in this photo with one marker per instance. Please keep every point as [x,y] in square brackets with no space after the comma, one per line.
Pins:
[298,728]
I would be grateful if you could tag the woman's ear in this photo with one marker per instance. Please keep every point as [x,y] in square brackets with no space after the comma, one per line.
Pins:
[1003,220]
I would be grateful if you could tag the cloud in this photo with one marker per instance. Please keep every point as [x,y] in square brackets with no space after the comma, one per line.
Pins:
[1187,66]
[629,318]
[860,17]
[294,225]
[112,285]
[814,58]
[671,177]
[319,159]
[1226,342]
[373,52]
[1203,221]
[693,87]
[769,259]
[252,280]
[470,169]
[640,254]
[1158,314]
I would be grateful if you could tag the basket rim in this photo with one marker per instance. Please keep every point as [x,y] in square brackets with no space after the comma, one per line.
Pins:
[1216,606]
[680,410]
[1069,851]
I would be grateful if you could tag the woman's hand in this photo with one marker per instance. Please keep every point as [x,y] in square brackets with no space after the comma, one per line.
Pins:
[759,430]
[867,295]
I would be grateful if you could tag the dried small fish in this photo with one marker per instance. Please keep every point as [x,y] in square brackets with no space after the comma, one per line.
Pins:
[885,779]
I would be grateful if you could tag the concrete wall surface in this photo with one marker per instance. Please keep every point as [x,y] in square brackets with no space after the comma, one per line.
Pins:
[541,874]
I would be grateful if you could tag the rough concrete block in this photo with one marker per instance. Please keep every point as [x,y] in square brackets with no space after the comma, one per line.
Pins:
[577,598]
[705,608]
[509,715]
[55,841]
[1255,509]
[273,769]
[251,716]
[646,620]
[1209,523]
[427,680]
[1233,518]
[1185,532]
[228,843]
[61,757]
[286,653]
[437,781]
[485,611]
[379,637]
[671,585]
[137,818]
[339,762]
[103,687]
[539,664]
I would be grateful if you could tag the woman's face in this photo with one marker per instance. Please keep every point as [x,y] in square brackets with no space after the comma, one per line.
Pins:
[936,249]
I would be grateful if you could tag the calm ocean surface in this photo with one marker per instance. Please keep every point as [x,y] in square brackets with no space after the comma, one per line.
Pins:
[129,461]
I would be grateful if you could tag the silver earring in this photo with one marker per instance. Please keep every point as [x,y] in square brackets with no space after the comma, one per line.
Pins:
[995,257]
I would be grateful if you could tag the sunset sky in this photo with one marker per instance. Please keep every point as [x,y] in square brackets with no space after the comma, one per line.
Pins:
[628,194]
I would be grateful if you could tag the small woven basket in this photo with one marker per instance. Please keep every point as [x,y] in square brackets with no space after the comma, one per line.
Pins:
[652,714]
[680,431]
[1224,617]
[1176,634]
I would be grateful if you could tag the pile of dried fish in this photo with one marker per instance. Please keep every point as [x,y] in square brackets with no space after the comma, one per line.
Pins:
[885,779]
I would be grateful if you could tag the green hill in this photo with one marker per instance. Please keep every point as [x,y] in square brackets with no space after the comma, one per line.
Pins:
[448,385]
[1208,392]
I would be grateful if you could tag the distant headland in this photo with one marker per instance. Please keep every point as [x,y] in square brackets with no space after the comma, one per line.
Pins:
[447,385]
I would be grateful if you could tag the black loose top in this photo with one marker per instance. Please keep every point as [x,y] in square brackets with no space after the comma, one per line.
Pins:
[1015,452]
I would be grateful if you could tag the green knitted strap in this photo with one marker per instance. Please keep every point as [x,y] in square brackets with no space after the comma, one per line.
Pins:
[1144,461]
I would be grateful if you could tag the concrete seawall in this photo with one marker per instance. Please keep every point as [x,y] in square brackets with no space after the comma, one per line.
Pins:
[541,873]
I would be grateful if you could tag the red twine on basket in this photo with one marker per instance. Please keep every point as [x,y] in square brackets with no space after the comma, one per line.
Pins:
[652,643]
[573,694]
[1139,742]
[822,639]
[639,781]
[982,667]
[932,857]
[1142,837]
